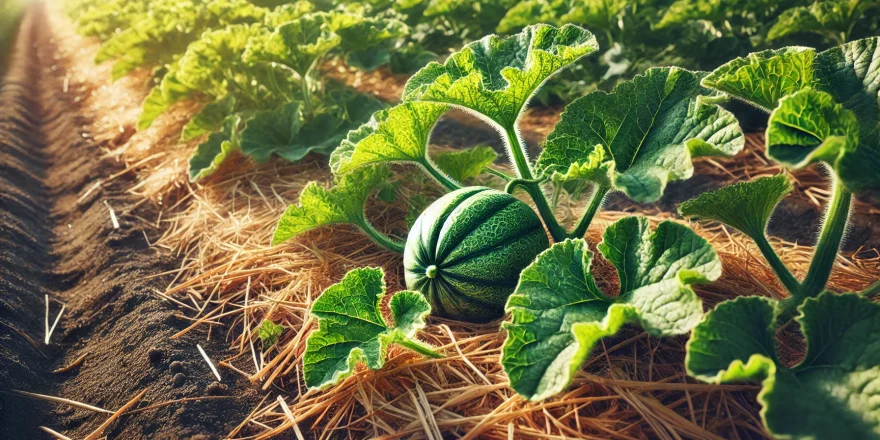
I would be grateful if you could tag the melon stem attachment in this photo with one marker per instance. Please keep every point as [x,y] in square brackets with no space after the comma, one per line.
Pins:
[431,271]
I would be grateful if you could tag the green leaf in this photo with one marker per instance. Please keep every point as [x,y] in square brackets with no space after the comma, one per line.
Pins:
[822,121]
[685,11]
[366,40]
[596,166]
[466,164]
[496,76]
[274,131]
[284,131]
[287,12]
[162,97]
[417,204]
[746,206]
[651,127]
[559,313]
[352,330]
[342,153]
[401,134]
[600,14]
[830,394]
[763,78]
[210,154]
[208,63]
[833,19]
[269,332]
[298,44]
[209,119]
[529,12]
[210,67]
[410,58]
[809,127]
[342,204]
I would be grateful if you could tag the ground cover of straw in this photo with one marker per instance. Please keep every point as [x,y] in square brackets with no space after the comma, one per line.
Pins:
[230,279]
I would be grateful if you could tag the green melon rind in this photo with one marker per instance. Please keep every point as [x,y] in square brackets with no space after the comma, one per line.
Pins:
[479,239]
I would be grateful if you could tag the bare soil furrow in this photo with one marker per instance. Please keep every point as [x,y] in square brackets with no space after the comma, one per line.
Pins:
[57,240]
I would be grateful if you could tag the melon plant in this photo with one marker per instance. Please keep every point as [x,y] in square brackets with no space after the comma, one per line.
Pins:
[635,139]
[465,252]
[824,108]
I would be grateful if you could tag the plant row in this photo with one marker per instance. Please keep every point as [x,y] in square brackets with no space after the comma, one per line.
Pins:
[256,65]
[478,253]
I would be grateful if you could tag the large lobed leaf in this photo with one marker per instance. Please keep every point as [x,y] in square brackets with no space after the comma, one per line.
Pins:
[212,67]
[833,115]
[367,40]
[352,330]
[831,394]
[342,204]
[211,153]
[400,134]
[297,44]
[559,313]
[649,129]
[833,19]
[746,206]
[496,76]
[466,164]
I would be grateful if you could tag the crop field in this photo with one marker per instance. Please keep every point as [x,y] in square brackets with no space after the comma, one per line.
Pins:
[439,219]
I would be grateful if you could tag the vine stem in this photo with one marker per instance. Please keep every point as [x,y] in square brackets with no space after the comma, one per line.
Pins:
[533,188]
[788,280]
[382,239]
[832,233]
[419,348]
[497,173]
[595,204]
[517,153]
[524,171]
[438,175]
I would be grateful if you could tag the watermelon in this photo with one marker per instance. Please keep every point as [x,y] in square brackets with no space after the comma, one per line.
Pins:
[465,252]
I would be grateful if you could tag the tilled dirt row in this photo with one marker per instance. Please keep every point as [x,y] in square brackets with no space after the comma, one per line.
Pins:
[58,241]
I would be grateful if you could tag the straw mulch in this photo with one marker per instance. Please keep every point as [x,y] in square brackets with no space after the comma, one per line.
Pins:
[230,279]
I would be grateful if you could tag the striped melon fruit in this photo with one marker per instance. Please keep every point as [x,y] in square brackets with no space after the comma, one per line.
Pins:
[465,252]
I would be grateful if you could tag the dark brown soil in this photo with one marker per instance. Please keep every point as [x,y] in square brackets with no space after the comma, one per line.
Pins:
[57,239]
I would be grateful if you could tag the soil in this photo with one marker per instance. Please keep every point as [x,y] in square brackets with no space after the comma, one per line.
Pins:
[57,241]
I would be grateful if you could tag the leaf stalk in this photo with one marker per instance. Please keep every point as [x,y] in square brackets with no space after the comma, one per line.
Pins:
[833,230]
[592,209]
[380,238]
[788,280]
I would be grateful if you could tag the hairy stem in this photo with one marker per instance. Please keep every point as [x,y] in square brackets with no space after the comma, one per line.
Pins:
[595,204]
[788,280]
[497,173]
[419,348]
[833,229]
[533,188]
[438,175]
[382,239]
[518,154]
